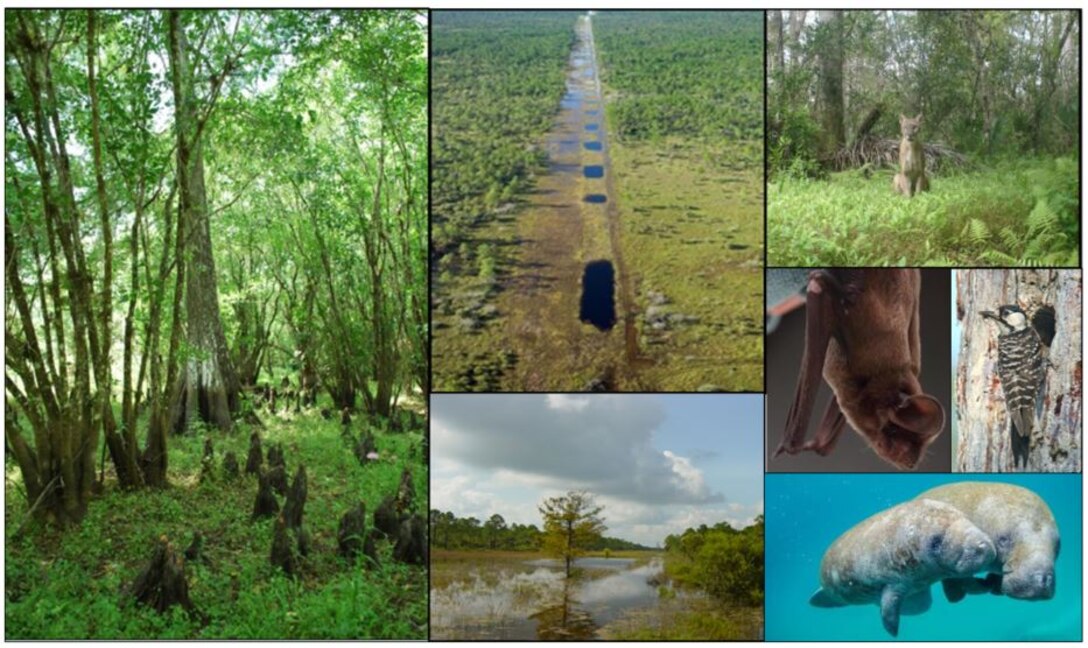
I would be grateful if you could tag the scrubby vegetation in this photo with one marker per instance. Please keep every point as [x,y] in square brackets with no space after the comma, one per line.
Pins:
[683,101]
[498,77]
[724,562]
[690,74]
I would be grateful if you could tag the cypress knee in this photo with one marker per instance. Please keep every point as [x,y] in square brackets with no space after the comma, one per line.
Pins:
[266,504]
[162,585]
[230,465]
[296,500]
[255,458]
[386,519]
[411,544]
[352,531]
[283,556]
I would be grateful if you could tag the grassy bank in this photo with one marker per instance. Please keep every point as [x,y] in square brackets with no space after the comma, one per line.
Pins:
[693,620]
[691,218]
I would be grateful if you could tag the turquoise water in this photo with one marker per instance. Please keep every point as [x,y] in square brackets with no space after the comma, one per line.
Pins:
[805,513]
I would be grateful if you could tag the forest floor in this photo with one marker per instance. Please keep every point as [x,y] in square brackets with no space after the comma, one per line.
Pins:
[1011,214]
[70,584]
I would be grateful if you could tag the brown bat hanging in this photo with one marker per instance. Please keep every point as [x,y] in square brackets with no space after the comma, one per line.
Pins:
[862,332]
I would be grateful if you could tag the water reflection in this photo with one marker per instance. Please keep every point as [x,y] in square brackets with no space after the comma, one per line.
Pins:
[593,146]
[563,620]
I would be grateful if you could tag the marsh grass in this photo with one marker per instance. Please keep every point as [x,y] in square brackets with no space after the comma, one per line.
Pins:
[68,584]
[691,217]
[1020,213]
[686,618]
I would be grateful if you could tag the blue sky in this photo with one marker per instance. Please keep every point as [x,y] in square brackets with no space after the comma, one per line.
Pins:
[657,463]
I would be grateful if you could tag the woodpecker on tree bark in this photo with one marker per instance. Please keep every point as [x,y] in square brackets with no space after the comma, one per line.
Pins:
[1022,370]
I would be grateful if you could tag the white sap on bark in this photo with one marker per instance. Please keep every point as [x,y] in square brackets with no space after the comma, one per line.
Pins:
[983,422]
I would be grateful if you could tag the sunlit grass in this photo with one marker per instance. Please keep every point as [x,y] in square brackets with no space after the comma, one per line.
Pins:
[1012,214]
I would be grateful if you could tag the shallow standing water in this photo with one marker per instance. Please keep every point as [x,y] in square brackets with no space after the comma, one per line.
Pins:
[527,600]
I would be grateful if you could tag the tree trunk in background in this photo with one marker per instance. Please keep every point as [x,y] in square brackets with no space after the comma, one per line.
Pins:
[776,39]
[208,388]
[797,25]
[831,80]
[983,423]
[123,447]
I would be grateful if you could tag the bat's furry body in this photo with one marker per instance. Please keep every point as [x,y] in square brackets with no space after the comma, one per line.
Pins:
[862,335]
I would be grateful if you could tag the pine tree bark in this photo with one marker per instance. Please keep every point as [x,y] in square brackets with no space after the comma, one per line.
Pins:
[983,443]
[207,388]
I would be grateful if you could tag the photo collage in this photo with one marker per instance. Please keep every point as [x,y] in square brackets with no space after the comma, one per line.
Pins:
[443,324]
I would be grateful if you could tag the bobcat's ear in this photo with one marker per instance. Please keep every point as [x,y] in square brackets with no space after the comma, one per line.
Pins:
[902,118]
[919,117]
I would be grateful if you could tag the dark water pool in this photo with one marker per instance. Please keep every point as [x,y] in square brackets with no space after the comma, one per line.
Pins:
[593,146]
[593,171]
[593,127]
[598,305]
[596,199]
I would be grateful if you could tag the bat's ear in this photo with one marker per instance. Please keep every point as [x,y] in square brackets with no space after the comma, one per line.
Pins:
[920,414]
[919,117]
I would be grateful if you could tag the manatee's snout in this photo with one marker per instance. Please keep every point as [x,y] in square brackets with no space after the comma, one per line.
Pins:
[1045,581]
[1032,585]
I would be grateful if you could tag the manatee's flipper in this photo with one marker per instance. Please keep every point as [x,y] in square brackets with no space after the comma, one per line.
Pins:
[992,583]
[954,589]
[822,599]
[917,603]
[890,601]
[957,588]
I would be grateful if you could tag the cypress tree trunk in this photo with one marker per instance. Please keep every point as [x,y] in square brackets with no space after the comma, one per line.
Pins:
[207,387]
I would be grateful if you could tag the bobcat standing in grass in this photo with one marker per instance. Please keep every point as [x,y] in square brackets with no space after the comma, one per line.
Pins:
[911,178]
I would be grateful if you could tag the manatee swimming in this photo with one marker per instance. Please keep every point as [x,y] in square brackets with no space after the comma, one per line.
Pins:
[893,557]
[972,537]
[1023,531]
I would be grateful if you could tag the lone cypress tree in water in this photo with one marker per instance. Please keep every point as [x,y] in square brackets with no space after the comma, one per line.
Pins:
[571,523]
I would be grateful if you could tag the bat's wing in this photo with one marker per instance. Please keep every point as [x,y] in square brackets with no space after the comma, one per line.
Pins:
[819,325]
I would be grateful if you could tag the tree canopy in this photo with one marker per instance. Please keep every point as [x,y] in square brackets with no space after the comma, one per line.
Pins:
[197,200]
